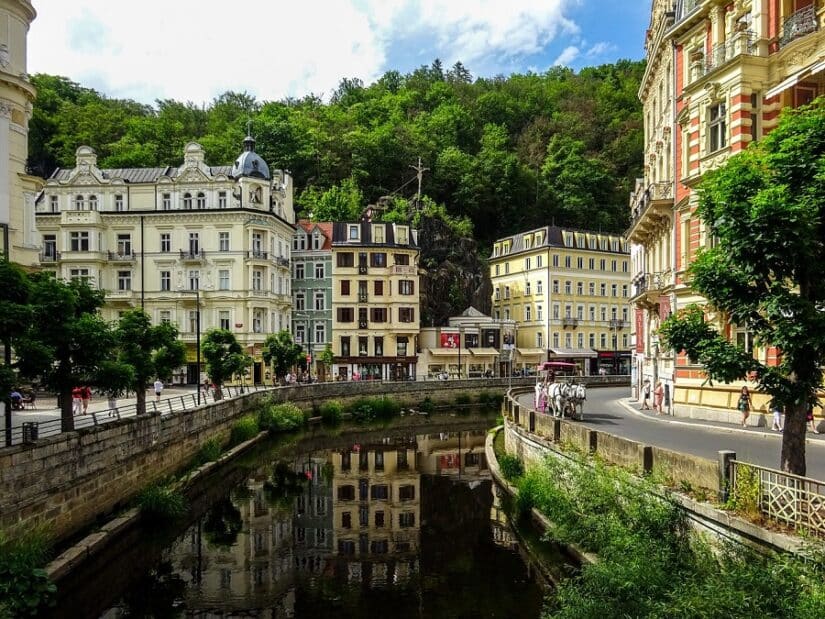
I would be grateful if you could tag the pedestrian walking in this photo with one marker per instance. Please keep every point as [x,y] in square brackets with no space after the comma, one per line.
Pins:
[658,396]
[809,418]
[744,405]
[646,395]
[206,388]
[77,400]
[158,388]
[86,396]
[776,410]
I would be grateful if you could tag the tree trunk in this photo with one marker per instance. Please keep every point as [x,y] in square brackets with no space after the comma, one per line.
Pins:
[66,415]
[793,440]
[140,403]
[218,391]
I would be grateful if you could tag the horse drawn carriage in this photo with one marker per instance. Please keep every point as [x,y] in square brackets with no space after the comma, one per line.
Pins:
[563,398]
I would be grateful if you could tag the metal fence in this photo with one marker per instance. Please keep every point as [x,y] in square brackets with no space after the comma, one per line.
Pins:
[784,497]
[30,431]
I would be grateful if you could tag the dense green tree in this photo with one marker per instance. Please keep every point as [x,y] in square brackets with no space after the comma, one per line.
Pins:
[281,352]
[149,350]
[766,209]
[66,341]
[342,202]
[224,357]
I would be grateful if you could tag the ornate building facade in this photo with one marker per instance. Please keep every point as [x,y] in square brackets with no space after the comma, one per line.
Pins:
[18,235]
[567,292]
[736,64]
[197,245]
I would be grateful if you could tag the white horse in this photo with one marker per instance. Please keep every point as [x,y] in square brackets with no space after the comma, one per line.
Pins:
[577,397]
[558,398]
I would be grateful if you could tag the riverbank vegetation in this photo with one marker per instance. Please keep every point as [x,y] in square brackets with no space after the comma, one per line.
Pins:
[650,562]
[25,588]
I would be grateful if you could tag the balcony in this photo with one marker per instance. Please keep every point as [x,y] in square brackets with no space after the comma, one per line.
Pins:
[404,269]
[281,261]
[648,209]
[569,321]
[257,254]
[616,324]
[650,287]
[80,218]
[192,255]
[363,297]
[49,256]
[362,269]
[362,324]
[799,24]
[115,256]
[741,43]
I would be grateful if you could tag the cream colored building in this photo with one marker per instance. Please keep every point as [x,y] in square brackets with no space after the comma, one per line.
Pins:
[568,293]
[375,300]
[18,235]
[177,239]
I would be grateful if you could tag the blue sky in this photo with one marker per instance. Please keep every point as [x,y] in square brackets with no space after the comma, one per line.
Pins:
[279,48]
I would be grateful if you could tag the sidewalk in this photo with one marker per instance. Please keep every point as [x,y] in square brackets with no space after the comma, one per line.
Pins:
[758,423]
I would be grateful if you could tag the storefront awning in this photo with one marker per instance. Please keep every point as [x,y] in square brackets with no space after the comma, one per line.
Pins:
[531,352]
[448,352]
[484,352]
[795,78]
[573,352]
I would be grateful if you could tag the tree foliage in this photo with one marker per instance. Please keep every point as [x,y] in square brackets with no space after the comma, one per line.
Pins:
[224,357]
[766,208]
[508,153]
[281,352]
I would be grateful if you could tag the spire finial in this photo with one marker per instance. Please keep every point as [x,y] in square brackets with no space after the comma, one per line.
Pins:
[249,126]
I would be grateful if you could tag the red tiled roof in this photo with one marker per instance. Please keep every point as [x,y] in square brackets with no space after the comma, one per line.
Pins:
[324,226]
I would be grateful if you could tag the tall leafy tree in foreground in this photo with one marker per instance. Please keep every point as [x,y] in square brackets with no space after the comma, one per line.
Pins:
[281,352]
[150,350]
[766,208]
[224,357]
[66,341]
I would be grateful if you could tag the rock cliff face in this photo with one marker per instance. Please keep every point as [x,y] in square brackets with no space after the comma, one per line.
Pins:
[453,276]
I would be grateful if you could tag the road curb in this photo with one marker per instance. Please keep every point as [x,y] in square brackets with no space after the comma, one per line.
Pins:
[731,430]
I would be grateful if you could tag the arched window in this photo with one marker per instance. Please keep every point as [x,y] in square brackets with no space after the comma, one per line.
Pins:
[78,203]
[187,201]
[201,200]
[92,203]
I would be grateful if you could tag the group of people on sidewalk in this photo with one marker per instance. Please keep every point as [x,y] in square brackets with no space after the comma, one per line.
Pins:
[81,396]
[743,404]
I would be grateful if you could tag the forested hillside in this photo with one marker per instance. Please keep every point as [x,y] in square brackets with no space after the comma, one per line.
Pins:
[508,153]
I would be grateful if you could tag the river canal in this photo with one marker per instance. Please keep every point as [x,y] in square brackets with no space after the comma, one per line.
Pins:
[396,522]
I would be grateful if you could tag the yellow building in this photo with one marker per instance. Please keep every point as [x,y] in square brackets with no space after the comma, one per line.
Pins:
[196,245]
[18,235]
[567,291]
[375,308]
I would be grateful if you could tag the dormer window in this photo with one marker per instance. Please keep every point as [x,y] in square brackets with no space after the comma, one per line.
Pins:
[402,235]
[353,233]
[187,201]
[378,233]
[316,240]
[527,242]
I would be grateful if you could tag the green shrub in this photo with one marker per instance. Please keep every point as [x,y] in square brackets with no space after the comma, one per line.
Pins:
[511,467]
[25,589]
[208,452]
[367,409]
[244,429]
[462,399]
[331,411]
[426,405]
[281,417]
[161,502]
[483,397]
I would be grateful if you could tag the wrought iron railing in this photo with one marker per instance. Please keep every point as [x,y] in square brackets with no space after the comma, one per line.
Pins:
[792,499]
[798,24]
[741,43]
[654,191]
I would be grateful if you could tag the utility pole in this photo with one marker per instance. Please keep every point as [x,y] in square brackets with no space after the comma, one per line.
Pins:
[420,175]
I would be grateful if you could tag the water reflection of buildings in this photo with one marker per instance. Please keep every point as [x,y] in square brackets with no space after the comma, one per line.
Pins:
[355,519]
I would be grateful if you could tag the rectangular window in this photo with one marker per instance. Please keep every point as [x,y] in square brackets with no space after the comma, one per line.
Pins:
[527,264]
[363,346]
[165,242]
[555,286]
[406,314]
[223,319]
[53,202]
[124,280]
[223,241]
[299,270]
[717,127]
[539,287]
[300,333]
[194,243]
[166,280]
[320,333]
[345,350]
[401,346]
[300,301]
[401,259]
[79,241]
[555,260]
[257,279]
[406,520]
[221,199]
[319,270]
[223,279]
[378,314]
[345,259]
[527,313]
[378,259]
[79,275]
[319,300]
[166,202]
[344,287]
[378,346]
[568,287]
[119,202]
[567,262]
[165,316]
[194,280]
[345,314]
[378,287]
[406,287]
[603,290]
[614,290]
[539,313]
[50,246]
[406,493]
[538,262]
[353,233]
[124,245]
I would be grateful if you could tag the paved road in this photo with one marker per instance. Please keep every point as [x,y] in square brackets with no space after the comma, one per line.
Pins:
[609,410]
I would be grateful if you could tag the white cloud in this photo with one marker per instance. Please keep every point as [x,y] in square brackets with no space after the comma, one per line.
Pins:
[568,55]
[192,50]
[598,49]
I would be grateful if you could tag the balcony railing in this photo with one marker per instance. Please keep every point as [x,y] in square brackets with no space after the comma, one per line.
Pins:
[616,323]
[569,321]
[115,256]
[362,297]
[282,262]
[688,6]
[257,254]
[403,269]
[50,256]
[654,192]
[741,43]
[192,255]
[798,24]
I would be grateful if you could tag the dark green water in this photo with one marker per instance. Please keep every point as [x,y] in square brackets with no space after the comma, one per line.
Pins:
[400,522]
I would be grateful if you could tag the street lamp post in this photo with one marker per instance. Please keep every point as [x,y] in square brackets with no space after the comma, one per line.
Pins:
[615,325]
[197,294]
[460,337]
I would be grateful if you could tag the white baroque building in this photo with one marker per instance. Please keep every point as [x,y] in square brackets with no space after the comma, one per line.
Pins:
[177,239]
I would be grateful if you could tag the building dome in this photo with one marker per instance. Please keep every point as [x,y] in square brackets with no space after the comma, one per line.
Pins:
[250,163]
